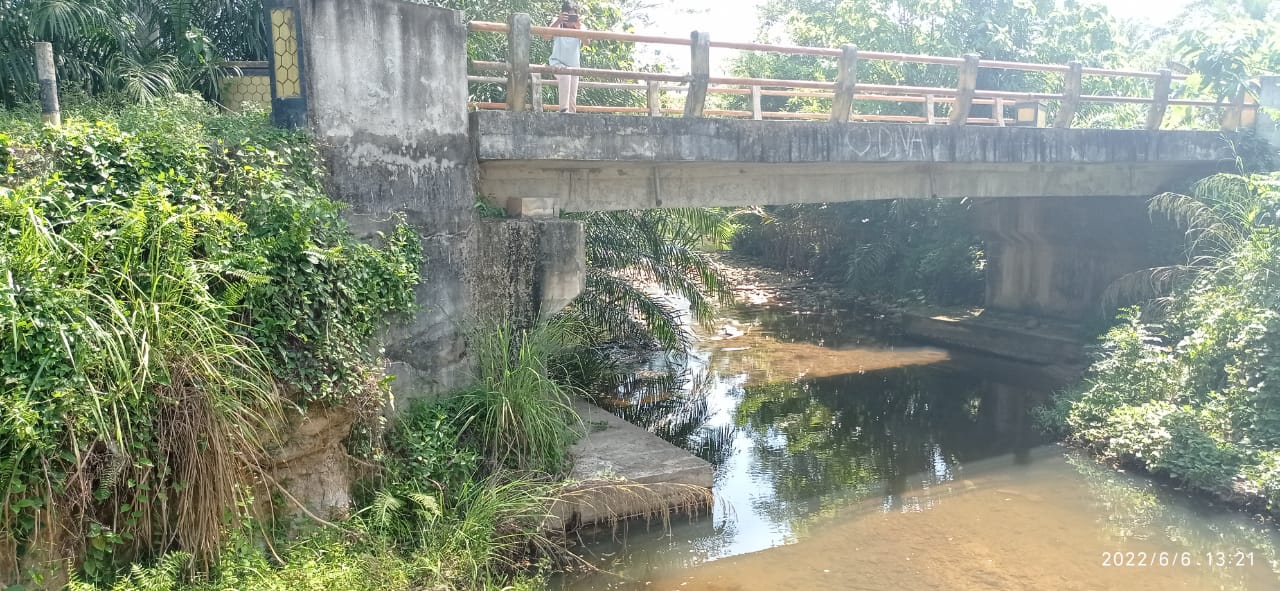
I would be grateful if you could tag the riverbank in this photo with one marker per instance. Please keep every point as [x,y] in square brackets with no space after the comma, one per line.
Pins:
[832,443]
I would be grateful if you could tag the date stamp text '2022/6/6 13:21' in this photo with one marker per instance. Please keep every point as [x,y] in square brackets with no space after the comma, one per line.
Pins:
[1163,559]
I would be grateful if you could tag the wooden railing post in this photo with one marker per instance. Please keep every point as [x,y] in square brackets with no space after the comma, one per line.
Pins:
[756,113]
[535,92]
[1070,96]
[930,109]
[846,81]
[968,85]
[699,74]
[519,39]
[47,75]
[1159,99]
[654,98]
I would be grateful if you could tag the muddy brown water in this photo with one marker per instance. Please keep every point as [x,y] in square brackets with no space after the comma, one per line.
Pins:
[849,461]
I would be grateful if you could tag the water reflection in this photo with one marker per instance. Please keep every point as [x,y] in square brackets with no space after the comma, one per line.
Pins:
[820,434]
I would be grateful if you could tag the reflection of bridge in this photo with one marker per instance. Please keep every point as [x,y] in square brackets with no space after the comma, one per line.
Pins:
[384,87]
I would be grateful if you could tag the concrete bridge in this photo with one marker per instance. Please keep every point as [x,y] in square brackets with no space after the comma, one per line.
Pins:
[384,87]
[609,162]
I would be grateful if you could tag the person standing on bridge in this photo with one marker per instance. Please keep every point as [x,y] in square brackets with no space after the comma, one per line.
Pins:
[566,53]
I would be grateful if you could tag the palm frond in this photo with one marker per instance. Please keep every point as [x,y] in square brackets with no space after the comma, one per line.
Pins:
[661,248]
[1145,285]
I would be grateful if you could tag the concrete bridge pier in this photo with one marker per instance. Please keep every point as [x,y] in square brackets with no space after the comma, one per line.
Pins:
[386,88]
[529,265]
[1054,258]
[526,268]
[1049,264]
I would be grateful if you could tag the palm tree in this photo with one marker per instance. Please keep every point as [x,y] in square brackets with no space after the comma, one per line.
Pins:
[144,49]
[637,260]
[1222,219]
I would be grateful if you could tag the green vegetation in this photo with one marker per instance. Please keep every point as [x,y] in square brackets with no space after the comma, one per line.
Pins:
[517,413]
[174,284]
[631,252]
[1186,385]
[1227,43]
[907,249]
[144,50]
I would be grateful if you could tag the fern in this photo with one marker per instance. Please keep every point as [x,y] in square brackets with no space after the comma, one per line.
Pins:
[426,503]
[385,507]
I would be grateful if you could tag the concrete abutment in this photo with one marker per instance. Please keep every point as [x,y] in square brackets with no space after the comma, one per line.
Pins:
[1049,265]
[1056,257]
[386,92]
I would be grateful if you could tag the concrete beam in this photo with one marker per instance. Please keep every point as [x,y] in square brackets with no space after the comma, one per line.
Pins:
[603,162]
[616,186]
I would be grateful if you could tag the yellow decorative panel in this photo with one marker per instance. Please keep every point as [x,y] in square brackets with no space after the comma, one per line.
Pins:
[238,90]
[284,41]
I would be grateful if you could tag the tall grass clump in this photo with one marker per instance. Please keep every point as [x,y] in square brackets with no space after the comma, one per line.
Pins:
[517,412]
[112,328]
[465,486]
[171,280]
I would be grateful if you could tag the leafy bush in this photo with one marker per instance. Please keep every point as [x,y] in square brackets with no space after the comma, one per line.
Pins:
[424,449]
[159,284]
[629,251]
[1187,384]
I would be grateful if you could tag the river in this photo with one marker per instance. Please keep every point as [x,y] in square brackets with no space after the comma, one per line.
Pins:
[850,461]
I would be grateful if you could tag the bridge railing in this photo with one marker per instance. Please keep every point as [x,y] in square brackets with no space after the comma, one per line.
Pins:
[524,79]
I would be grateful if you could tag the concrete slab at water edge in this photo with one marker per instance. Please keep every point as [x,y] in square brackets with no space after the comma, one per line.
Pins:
[624,471]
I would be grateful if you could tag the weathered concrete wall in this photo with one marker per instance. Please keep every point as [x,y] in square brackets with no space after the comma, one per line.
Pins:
[387,93]
[525,268]
[603,162]
[1056,257]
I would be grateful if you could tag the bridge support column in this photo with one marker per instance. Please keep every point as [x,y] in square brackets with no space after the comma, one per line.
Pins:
[1049,262]
[387,99]
[1054,257]
[526,269]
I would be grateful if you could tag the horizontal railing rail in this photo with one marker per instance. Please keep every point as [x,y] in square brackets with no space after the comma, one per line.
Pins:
[522,76]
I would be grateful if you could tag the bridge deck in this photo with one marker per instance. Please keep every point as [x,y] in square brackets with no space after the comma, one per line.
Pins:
[604,162]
